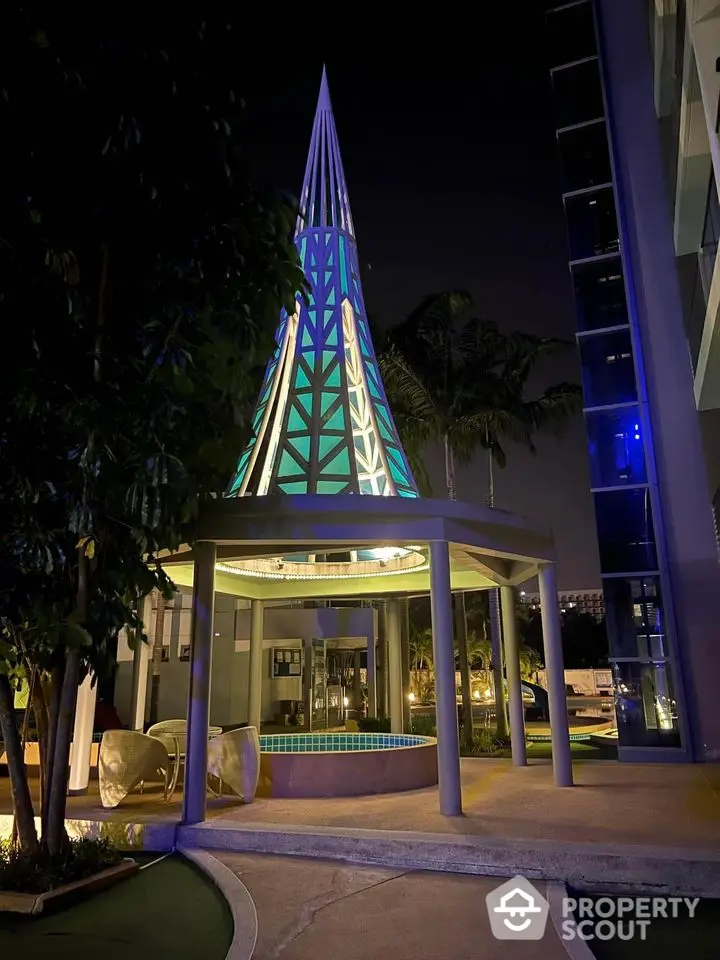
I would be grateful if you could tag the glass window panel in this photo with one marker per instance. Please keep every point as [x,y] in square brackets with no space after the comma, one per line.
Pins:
[607,369]
[600,294]
[584,157]
[592,224]
[616,449]
[626,537]
[645,705]
[570,34]
[634,617]
[577,94]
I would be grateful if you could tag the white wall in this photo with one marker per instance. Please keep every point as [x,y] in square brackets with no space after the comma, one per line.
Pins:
[283,626]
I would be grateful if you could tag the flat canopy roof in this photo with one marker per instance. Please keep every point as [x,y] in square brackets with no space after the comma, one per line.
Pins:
[488,547]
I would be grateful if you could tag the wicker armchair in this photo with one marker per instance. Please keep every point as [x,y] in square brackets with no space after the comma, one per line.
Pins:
[234,759]
[128,759]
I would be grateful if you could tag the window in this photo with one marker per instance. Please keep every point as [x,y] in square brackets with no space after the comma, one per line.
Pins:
[577,94]
[645,705]
[607,369]
[626,537]
[617,455]
[635,620]
[571,34]
[592,224]
[584,157]
[600,294]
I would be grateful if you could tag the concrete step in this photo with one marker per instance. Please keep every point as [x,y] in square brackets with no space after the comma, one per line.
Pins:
[597,867]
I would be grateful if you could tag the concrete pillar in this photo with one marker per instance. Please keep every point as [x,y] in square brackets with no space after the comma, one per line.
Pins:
[394,648]
[512,665]
[555,673]
[82,736]
[372,676]
[405,659]
[448,746]
[255,672]
[357,679]
[141,663]
[198,712]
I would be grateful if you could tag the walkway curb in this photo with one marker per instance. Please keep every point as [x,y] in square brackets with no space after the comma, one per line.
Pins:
[241,904]
[597,867]
[576,949]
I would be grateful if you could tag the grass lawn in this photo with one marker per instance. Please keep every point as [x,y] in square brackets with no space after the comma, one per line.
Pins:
[166,910]
[668,938]
[580,750]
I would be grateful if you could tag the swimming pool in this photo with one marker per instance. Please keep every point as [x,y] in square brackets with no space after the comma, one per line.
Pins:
[345,764]
[337,742]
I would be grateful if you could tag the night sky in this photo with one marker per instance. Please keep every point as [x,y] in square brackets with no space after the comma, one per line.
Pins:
[452,172]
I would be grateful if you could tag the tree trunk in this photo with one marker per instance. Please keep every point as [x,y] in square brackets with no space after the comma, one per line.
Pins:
[19,786]
[53,712]
[450,470]
[157,659]
[496,640]
[58,785]
[465,685]
[460,616]
[496,636]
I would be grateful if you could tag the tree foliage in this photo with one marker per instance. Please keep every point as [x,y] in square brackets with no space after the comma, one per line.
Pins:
[459,381]
[141,276]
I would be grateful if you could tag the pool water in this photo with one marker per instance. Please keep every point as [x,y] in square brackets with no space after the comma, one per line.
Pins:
[337,742]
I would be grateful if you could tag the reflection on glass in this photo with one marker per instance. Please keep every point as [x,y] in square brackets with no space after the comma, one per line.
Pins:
[571,34]
[608,371]
[617,456]
[584,156]
[645,705]
[577,94]
[634,618]
[600,294]
[626,536]
[592,224]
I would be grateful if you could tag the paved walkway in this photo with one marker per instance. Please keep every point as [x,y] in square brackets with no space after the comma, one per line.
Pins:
[611,803]
[310,909]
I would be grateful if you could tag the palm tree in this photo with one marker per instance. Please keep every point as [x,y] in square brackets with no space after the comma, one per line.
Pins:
[463,383]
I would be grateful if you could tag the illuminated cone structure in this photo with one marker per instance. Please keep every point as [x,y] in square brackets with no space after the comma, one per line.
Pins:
[322,423]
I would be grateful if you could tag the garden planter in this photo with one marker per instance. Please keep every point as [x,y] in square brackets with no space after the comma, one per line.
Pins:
[33,904]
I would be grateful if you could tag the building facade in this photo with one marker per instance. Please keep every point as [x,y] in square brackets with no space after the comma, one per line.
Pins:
[685,41]
[658,555]
[591,602]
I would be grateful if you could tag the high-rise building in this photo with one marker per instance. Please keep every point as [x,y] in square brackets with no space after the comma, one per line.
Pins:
[658,555]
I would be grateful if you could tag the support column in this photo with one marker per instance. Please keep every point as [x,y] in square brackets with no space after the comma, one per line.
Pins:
[448,746]
[255,672]
[394,647]
[372,676]
[555,673]
[82,736]
[405,661]
[198,712]
[141,664]
[512,665]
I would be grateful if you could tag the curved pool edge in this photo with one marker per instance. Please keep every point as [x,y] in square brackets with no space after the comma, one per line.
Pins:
[351,773]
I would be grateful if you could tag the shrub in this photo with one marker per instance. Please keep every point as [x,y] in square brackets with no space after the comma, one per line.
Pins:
[373,725]
[23,872]
[486,741]
[424,725]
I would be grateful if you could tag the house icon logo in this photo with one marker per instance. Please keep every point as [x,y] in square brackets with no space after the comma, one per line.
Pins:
[517,911]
